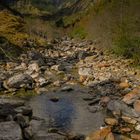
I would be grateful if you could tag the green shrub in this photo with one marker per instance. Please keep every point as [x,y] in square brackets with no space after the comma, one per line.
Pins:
[129,47]
[78,32]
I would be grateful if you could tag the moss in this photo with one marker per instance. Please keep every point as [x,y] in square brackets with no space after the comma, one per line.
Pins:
[71,20]
[23,93]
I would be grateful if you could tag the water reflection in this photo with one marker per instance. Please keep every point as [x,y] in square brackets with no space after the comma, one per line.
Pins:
[69,113]
[60,113]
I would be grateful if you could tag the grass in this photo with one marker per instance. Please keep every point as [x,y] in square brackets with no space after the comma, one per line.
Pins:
[127,39]
[23,94]
[12,28]
[129,47]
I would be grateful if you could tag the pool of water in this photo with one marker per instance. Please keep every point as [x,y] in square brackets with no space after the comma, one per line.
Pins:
[67,111]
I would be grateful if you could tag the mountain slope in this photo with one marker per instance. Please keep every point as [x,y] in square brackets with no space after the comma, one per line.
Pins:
[112,23]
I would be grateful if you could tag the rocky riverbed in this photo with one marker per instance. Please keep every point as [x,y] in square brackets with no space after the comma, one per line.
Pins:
[69,90]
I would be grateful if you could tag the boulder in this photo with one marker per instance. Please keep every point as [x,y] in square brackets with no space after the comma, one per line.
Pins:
[67,88]
[85,71]
[25,110]
[10,131]
[137,106]
[111,121]
[125,130]
[120,107]
[131,96]
[22,120]
[36,125]
[137,127]
[7,107]
[110,136]
[21,67]
[82,54]
[19,80]
[33,68]
[6,110]
[124,85]
[41,81]
[135,136]
[55,67]
[12,102]
[104,100]
[129,120]
[99,134]
[36,56]
[103,65]
[33,55]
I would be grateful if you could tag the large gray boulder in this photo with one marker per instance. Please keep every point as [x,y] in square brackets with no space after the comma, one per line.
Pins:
[6,111]
[121,108]
[19,80]
[10,131]
[13,102]
[7,107]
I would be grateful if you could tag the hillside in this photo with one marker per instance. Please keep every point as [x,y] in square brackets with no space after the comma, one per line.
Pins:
[112,24]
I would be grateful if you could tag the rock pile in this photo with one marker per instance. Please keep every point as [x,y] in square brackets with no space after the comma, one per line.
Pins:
[17,122]
[113,86]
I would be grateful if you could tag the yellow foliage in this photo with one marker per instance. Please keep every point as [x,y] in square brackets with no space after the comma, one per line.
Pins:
[41,41]
[12,28]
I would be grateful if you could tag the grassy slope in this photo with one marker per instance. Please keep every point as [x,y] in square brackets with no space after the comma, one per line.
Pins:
[114,25]
[12,27]
[14,36]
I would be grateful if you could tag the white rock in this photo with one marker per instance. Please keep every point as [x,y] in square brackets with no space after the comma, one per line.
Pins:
[85,71]
[34,67]
[10,131]
[137,127]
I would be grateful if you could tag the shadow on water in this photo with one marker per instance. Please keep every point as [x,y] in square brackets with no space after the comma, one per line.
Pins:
[67,111]
[60,113]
